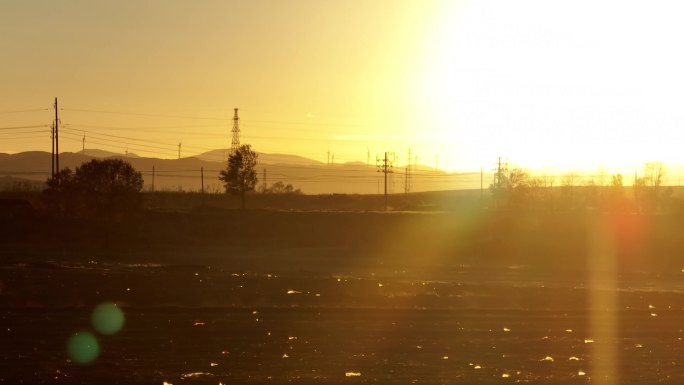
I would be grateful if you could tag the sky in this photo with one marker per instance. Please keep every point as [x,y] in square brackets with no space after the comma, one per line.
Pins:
[561,86]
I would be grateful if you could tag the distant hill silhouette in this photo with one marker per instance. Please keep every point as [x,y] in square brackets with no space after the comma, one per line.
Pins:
[222,155]
[311,176]
[95,153]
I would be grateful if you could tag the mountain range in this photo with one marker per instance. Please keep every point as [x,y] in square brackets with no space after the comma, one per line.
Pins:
[308,175]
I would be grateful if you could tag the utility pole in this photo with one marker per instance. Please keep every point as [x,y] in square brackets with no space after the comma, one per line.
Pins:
[636,192]
[385,168]
[367,156]
[500,176]
[481,185]
[408,172]
[179,149]
[328,162]
[235,142]
[152,178]
[499,179]
[265,187]
[202,177]
[57,140]
[83,148]
[395,160]
[52,136]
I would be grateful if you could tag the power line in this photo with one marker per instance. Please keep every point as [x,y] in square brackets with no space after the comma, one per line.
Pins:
[141,140]
[78,138]
[142,114]
[23,132]
[23,137]
[20,111]
[121,141]
[147,128]
[122,137]
[100,135]
[23,127]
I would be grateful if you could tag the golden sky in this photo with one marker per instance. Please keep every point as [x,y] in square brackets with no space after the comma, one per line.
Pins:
[558,85]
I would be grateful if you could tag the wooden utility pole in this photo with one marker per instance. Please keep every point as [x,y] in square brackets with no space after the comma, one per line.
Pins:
[408,177]
[385,172]
[56,140]
[52,136]
[481,186]
[265,186]
[202,177]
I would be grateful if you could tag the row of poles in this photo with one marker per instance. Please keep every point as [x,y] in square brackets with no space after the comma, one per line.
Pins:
[385,166]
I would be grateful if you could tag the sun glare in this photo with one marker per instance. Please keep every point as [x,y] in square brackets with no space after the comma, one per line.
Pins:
[572,86]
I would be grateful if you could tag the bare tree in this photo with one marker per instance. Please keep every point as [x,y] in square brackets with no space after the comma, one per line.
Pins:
[649,188]
[571,180]
[654,175]
[512,187]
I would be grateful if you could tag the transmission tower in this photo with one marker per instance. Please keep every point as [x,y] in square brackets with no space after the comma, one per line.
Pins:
[235,142]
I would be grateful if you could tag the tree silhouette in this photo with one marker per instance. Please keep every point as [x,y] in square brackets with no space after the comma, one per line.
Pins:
[512,187]
[240,173]
[281,188]
[97,187]
[649,189]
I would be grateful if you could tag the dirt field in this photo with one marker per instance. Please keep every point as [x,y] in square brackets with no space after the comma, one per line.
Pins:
[319,298]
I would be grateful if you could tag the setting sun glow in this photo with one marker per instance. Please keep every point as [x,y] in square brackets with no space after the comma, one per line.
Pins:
[578,85]
[549,86]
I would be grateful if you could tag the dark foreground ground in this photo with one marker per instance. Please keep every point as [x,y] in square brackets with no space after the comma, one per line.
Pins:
[446,299]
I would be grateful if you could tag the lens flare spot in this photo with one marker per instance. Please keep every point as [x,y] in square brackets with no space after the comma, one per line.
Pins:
[83,348]
[107,318]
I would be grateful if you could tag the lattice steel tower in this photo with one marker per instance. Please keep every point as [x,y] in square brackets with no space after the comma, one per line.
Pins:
[235,143]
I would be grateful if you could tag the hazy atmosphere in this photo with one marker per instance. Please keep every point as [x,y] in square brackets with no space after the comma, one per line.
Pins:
[341,192]
[459,82]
